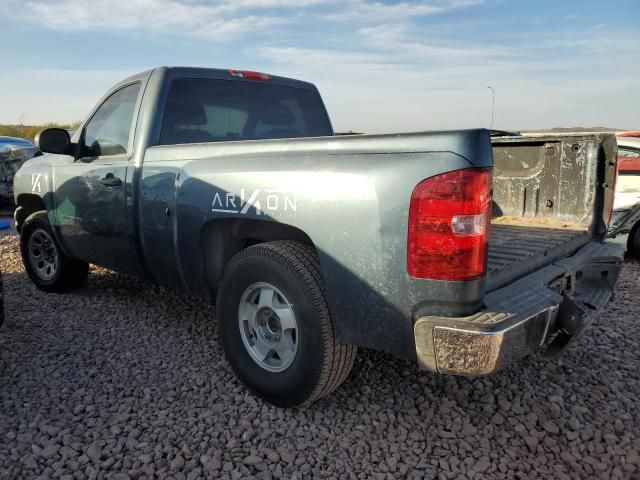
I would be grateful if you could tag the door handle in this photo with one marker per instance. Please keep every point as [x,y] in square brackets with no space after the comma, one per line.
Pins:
[110,181]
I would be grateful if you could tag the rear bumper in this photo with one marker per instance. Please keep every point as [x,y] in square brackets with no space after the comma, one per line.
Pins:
[549,307]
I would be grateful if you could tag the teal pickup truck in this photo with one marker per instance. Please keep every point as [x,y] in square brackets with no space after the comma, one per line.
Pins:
[452,249]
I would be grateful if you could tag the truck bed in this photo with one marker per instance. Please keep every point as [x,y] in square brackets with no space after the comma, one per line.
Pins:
[518,246]
[546,201]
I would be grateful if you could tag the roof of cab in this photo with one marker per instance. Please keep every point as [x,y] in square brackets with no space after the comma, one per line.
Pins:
[224,74]
[218,74]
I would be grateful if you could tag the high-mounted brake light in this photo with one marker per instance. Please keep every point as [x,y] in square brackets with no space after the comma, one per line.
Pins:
[250,75]
[448,225]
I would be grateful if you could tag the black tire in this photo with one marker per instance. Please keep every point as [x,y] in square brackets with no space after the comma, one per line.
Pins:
[633,241]
[321,362]
[69,274]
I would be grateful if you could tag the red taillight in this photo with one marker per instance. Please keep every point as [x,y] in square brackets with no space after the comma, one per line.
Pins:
[250,75]
[448,225]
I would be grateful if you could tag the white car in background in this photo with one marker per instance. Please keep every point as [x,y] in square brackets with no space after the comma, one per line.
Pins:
[626,208]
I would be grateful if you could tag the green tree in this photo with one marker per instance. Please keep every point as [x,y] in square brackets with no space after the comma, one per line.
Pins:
[11,131]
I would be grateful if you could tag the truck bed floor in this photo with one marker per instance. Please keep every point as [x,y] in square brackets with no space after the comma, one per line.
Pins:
[521,246]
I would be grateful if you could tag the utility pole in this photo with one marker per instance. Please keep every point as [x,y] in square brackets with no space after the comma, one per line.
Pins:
[493,104]
[22,117]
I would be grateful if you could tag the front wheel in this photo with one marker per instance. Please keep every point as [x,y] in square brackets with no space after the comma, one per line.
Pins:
[47,266]
[275,326]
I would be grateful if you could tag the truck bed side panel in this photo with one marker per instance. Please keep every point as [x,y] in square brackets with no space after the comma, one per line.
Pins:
[349,195]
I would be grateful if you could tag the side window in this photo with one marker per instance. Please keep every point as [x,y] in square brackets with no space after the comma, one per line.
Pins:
[107,133]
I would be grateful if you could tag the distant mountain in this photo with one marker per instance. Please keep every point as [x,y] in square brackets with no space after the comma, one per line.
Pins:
[577,129]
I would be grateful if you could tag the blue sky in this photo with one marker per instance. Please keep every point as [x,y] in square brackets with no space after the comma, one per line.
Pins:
[382,66]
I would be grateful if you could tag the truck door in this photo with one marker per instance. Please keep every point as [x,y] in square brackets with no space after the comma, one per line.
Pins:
[91,194]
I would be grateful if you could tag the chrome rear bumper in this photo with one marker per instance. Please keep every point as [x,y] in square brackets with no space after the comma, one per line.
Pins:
[550,307]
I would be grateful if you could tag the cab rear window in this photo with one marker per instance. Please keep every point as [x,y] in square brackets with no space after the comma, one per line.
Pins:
[206,110]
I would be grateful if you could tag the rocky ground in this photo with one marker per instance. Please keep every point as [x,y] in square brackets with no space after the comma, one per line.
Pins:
[121,380]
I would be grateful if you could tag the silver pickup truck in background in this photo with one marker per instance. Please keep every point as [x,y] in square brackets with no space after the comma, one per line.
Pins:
[450,249]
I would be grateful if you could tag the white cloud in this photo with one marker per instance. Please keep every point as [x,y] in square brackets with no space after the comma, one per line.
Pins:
[210,21]
[409,45]
[117,14]
[280,3]
[376,11]
[224,29]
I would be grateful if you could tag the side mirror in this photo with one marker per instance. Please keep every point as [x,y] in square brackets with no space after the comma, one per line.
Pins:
[53,140]
[102,147]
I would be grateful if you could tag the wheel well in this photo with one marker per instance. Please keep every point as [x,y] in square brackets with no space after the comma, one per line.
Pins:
[222,239]
[27,203]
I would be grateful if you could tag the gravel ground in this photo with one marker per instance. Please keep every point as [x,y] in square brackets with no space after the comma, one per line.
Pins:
[121,380]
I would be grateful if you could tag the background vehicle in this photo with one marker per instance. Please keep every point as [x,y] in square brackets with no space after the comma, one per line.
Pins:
[13,153]
[191,178]
[626,210]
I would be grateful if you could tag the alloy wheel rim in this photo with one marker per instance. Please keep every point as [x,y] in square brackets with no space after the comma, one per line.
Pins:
[43,254]
[268,327]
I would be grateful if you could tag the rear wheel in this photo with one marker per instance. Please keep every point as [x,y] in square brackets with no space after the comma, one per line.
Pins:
[275,325]
[633,241]
[47,266]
